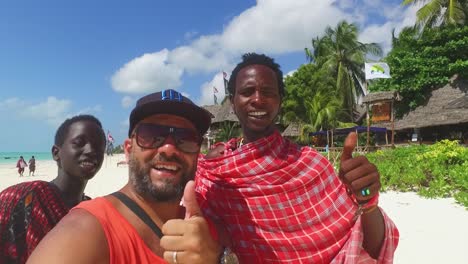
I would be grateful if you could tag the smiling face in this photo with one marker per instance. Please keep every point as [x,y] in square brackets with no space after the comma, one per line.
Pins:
[82,152]
[256,101]
[160,174]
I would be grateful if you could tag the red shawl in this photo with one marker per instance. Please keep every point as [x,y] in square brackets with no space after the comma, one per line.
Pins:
[283,203]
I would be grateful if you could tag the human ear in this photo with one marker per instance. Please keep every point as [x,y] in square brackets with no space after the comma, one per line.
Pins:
[127,147]
[55,153]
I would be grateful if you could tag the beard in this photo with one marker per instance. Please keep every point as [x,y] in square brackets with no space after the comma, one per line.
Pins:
[167,191]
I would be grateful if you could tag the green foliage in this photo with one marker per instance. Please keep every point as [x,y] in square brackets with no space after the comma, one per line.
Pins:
[118,149]
[438,170]
[342,55]
[420,62]
[441,12]
[311,100]
[226,131]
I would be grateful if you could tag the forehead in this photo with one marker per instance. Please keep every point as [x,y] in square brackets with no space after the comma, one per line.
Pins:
[169,120]
[257,72]
[81,127]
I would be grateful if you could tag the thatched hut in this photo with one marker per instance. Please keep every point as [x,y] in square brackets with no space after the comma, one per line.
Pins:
[443,115]
[292,131]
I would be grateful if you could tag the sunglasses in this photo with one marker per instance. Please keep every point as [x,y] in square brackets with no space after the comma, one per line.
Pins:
[151,136]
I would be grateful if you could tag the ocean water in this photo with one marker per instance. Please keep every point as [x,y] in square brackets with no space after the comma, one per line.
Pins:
[12,157]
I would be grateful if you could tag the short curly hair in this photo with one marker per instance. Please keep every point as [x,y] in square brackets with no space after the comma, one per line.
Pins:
[63,128]
[251,59]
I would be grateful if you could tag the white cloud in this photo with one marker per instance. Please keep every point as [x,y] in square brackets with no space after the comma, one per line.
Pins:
[207,90]
[290,73]
[90,110]
[148,73]
[398,18]
[279,26]
[127,101]
[12,103]
[271,26]
[345,4]
[189,35]
[53,110]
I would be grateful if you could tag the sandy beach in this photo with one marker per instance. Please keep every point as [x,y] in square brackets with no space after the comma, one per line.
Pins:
[431,230]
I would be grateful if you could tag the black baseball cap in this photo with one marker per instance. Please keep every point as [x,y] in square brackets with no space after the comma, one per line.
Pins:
[170,102]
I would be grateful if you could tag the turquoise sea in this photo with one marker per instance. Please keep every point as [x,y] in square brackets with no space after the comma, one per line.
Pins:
[12,157]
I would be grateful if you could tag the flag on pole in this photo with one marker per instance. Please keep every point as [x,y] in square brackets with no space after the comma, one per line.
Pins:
[215,90]
[377,70]
[109,137]
[215,99]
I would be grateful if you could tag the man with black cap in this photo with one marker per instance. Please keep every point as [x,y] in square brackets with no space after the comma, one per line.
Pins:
[143,222]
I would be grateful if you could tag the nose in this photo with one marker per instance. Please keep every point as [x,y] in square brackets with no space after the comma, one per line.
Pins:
[169,146]
[89,149]
[257,97]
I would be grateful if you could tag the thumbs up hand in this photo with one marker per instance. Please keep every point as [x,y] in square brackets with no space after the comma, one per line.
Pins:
[189,237]
[359,175]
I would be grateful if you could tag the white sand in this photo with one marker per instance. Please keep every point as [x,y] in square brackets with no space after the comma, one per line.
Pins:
[431,231]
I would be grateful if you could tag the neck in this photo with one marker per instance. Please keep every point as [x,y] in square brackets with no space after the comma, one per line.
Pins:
[251,136]
[71,189]
[160,212]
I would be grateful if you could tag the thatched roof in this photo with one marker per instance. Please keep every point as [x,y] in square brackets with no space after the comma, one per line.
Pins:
[381,96]
[293,130]
[221,112]
[446,106]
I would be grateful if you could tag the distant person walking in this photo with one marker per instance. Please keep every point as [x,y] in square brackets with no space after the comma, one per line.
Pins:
[110,144]
[21,164]
[32,166]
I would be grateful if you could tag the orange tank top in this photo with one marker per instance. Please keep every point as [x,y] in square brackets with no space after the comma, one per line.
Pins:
[125,245]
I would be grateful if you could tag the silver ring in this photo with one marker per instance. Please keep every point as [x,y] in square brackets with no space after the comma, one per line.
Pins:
[174,257]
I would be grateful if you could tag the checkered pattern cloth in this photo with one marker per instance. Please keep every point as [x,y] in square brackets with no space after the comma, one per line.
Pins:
[284,204]
[28,211]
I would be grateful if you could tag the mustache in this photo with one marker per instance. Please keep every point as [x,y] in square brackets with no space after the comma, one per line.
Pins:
[164,158]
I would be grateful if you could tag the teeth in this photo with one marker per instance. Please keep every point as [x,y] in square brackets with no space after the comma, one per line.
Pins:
[166,167]
[257,113]
[87,163]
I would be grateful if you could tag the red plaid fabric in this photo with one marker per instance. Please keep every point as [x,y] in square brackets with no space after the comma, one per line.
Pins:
[27,212]
[284,204]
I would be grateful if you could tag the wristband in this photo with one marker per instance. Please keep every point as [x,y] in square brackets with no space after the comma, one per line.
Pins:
[369,206]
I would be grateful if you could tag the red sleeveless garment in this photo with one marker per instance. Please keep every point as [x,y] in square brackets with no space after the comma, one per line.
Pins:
[125,245]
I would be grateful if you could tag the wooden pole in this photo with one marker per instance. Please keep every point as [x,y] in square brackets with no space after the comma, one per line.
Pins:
[367,117]
[368,125]
[393,124]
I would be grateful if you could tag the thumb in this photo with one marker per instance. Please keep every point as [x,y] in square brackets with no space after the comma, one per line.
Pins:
[349,146]
[190,201]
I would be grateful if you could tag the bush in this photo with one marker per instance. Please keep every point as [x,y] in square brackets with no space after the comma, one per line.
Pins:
[439,170]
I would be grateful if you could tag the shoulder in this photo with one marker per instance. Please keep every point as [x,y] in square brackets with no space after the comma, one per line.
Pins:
[217,151]
[80,238]
[18,191]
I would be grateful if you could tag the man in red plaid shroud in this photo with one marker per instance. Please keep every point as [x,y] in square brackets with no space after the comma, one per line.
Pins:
[280,202]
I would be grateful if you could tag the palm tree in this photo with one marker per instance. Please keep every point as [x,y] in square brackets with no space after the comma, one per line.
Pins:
[340,51]
[443,12]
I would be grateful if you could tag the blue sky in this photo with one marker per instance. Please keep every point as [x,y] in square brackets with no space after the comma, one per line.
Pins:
[62,58]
